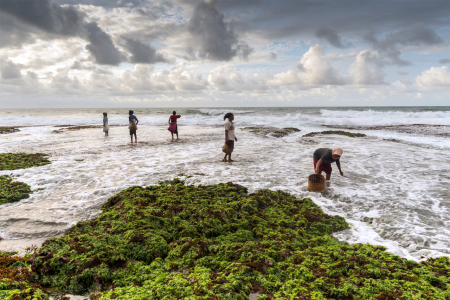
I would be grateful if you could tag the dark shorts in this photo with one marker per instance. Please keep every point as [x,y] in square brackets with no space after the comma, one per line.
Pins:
[325,167]
[230,144]
[132,131]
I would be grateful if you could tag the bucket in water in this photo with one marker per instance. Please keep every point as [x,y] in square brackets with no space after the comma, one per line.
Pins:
[316,183]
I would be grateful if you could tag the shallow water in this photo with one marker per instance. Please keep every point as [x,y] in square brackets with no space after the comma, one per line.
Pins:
[393,193]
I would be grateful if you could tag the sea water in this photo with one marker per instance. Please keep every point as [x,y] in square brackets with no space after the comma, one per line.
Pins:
[395,190]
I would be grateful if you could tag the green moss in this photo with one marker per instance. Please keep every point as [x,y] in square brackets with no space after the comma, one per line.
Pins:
[218,242]
[14,161]
[12,191]
[272,131]
[338,132]
[6,130]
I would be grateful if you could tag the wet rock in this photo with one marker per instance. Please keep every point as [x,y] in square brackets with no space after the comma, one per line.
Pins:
[272,131]
[6,130]
[337,132]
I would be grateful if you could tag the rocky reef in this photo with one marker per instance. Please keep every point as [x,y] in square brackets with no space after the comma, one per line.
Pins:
[6,130]
[172,241]
[272,131]
[338,132]
[14,161]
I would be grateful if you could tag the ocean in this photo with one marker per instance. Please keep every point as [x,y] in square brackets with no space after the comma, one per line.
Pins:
[395,191]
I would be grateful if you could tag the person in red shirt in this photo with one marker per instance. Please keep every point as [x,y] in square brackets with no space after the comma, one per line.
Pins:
[173,127]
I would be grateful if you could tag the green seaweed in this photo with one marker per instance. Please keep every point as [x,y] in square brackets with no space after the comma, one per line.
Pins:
[16,278]
[13,191]
[173,241]
[6,130]
[14,161]
[338,132]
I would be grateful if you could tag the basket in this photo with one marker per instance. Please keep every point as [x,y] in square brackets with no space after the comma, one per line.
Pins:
[316,183]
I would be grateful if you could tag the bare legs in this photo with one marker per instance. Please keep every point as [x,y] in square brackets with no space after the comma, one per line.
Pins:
[229,158]
[135,138]
[106,133]
[328,176]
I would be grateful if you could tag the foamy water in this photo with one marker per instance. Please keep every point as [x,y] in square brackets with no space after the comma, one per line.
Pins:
[394,194]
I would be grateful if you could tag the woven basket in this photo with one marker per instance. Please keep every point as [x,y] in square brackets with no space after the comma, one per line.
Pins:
[316,183]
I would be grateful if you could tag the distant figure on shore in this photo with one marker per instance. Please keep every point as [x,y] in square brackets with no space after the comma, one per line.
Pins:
[173,126]
[229,137]
[105,124]
[132,121]
[324,157]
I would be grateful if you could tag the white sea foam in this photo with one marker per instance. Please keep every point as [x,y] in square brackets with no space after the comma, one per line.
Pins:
[373,118]
[215,112]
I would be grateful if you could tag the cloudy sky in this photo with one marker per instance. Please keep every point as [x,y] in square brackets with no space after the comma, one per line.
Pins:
[159,53]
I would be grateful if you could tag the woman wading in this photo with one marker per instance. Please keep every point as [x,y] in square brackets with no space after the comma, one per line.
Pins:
[173,126]
[230,138]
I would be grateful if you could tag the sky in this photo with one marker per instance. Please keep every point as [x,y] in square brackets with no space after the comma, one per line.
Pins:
[224,53]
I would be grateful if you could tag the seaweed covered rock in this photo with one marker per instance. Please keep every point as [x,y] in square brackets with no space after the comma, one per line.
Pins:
[173,241]
[13,191]
[16,278]
[272,131]
[14,161]
[337,132]
[229,238]
[6,130]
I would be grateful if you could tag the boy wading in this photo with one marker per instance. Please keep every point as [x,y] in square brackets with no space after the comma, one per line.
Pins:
[132,125]
[324,157]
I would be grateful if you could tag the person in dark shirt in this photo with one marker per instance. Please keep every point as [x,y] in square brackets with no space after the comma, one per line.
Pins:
[323,157]
[132,121]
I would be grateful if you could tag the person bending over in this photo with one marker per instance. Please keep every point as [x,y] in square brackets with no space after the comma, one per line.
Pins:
[324,157]
[133,121]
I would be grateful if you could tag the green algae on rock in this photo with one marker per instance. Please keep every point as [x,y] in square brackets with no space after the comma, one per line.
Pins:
[16,278]
[13,191]
[14,161]
[272,131]
[338,132]
[6,130]
[173,241]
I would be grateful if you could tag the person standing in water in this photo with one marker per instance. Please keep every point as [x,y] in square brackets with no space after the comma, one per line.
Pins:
[173,126]
[132,121]
[105,124]
[230,138]
[324,157]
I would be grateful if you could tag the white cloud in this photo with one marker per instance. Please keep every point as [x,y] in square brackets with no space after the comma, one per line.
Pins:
[313,69]
[366,69]
[435,76]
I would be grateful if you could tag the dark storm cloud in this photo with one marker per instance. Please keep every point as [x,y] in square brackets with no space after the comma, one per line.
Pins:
[290,18]
[214,38]
[416,35]
[105,3]
[332,37]
[46,15]
[12,32]
[101,46]
[65,21]
[10,71]
[142,53]
[444,61]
